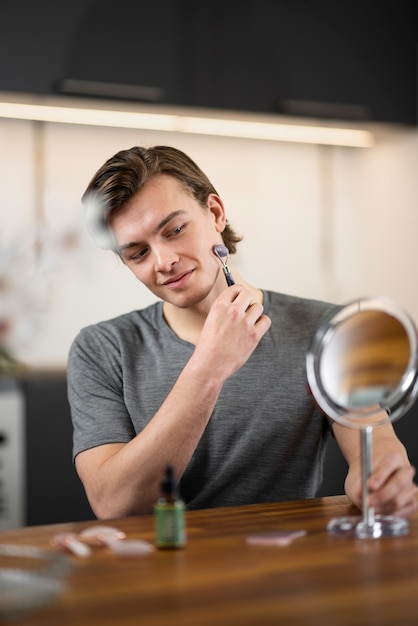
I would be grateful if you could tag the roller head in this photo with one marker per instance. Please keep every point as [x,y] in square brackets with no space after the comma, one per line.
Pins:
[220,250]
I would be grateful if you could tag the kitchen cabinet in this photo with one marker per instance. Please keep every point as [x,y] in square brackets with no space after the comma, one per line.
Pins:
[38,480]
[54,493]
[315,58]
[320,57]
[144,49]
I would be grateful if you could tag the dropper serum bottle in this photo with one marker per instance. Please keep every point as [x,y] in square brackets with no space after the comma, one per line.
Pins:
[170,531]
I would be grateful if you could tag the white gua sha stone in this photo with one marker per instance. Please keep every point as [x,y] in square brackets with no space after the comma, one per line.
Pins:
[115,540]
[130,547]
[98,535]
[70,542]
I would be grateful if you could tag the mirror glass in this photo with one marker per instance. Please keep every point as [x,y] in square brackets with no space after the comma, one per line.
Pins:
[362,367]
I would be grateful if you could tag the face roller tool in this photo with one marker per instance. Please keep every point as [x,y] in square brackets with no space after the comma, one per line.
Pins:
[222,252]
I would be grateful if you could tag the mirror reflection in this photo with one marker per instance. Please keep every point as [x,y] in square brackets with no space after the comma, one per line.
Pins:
[366,359]
[363,363]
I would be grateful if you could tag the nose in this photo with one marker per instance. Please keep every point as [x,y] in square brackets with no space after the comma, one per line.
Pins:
[165,259]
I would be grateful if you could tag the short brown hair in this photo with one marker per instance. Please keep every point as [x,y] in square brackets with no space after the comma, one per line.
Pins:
[124,174]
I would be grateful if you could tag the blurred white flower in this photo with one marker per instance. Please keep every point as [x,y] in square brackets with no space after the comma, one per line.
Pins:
[29,262]
[94,212]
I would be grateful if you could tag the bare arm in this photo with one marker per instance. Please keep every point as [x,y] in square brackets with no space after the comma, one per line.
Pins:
[123,479]
[391,486]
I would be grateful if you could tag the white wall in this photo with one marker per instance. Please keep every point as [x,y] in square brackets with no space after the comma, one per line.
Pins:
[327,223]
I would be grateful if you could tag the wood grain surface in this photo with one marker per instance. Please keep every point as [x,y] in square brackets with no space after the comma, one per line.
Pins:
[219,579]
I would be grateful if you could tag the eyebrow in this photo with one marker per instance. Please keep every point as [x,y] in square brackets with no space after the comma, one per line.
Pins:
[166,220]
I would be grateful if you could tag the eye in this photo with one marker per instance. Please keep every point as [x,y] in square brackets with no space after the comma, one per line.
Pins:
[176,231]
[139,254]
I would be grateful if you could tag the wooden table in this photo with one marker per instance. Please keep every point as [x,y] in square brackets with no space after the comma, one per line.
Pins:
[218,579]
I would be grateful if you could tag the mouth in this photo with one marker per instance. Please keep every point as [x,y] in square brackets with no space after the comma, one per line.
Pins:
[178,281]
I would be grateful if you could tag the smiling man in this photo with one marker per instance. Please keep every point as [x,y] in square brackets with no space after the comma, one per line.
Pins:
[211,378]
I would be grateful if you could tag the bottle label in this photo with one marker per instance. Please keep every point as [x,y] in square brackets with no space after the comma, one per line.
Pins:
[169,526]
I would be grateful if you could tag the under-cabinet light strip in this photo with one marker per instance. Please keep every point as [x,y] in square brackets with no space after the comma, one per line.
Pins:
[247,129]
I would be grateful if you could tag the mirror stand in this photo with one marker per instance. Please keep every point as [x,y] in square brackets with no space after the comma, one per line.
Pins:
[368,525]
[362,371]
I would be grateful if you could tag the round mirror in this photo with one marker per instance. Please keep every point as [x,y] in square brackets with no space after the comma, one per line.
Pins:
[362,366]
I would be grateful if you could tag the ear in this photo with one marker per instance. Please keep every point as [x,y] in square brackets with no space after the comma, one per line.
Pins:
[216,207]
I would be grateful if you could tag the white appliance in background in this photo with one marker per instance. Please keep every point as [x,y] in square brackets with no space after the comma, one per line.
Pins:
[12,456]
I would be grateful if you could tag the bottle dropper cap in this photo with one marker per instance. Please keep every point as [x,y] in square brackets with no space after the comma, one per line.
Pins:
[168,485]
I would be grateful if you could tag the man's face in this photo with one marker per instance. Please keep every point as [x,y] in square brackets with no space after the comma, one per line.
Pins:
[166,239]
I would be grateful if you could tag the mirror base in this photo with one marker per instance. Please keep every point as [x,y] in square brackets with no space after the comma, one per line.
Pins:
[383,526]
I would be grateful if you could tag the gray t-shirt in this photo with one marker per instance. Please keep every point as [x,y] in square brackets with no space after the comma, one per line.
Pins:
[265,440]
